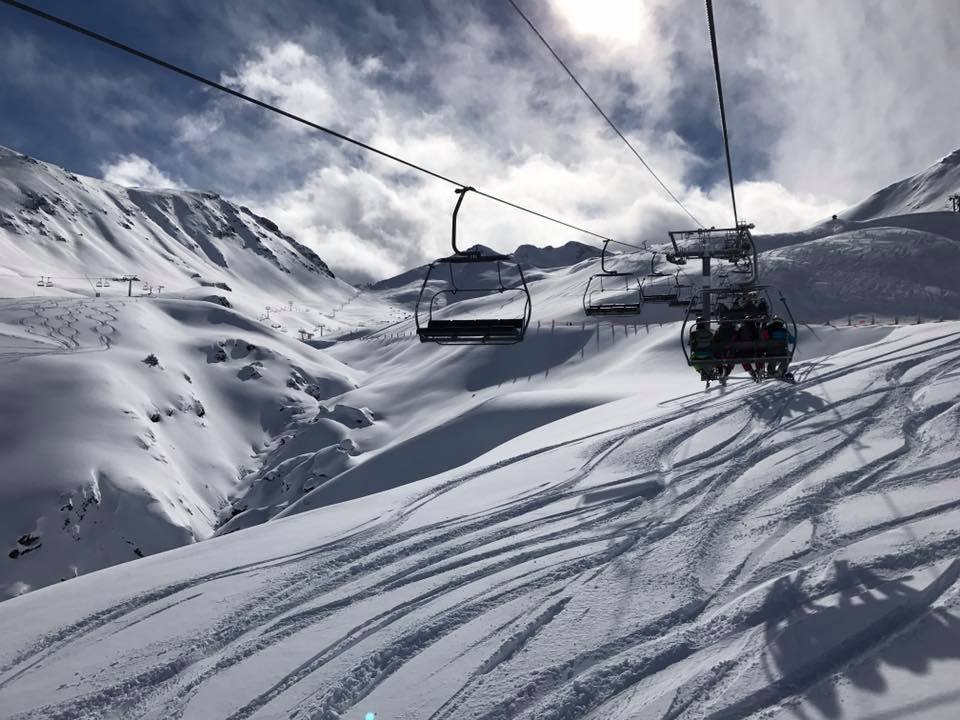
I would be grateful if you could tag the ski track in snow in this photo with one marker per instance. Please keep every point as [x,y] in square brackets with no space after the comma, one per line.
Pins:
[526,554]
[60,322]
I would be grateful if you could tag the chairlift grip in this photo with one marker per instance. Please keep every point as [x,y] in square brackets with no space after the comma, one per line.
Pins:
[461,192]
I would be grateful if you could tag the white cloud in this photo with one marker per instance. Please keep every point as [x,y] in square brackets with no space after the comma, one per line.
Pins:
[860,91]
[135,171]
[477,107]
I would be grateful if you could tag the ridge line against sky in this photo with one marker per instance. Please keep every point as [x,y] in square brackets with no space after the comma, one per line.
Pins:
[823,101]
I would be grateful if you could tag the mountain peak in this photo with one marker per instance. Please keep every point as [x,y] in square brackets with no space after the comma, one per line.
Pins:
[927,191]
[57,223]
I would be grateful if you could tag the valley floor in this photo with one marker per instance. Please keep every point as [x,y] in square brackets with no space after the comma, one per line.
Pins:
[756,551]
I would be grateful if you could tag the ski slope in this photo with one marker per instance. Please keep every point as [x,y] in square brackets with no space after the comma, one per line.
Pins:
[927,191]
[757,551]
[568,528]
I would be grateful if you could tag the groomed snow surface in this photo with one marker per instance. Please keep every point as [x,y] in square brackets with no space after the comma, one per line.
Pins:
[569,529]
[748,552]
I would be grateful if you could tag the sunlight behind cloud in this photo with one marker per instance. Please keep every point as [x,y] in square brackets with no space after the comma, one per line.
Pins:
[623,22]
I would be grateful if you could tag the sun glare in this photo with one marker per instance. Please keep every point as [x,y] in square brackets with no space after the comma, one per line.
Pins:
[620,21]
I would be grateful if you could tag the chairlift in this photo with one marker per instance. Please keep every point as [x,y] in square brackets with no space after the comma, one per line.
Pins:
[451,316]
[40,282]
[48,283]
[735,306]
[145,287]
[99,282]
[655,288]
[733,245]
[106,282]
[612,292]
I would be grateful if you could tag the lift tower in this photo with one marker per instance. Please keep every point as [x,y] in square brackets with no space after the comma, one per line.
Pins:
[733,245]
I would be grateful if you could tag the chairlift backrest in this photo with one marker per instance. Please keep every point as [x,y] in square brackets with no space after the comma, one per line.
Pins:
[612,292]
[440,316]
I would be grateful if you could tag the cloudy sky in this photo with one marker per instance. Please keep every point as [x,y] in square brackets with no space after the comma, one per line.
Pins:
[827,102]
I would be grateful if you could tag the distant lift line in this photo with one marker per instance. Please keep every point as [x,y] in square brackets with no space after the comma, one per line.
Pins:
[602,113]
[273,108]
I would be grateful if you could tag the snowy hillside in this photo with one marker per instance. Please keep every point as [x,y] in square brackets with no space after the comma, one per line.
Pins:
[78,230]
[654,552]
[567,528]
[927,191]
[106,458]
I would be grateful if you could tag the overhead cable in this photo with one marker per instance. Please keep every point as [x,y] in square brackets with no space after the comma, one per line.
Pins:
[273,108]
[602,113]
[723,114]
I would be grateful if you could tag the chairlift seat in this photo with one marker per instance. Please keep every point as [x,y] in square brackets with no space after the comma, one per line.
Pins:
[472,331]
[473,257]
[660,297]
[613,309]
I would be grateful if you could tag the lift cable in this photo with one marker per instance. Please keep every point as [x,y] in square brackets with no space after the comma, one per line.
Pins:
[602,113]
[636,248]
[273,108]
[723,114]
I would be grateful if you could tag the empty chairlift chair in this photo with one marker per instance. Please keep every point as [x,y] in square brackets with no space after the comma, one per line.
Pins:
[612,292]
[664,288]
[453,307]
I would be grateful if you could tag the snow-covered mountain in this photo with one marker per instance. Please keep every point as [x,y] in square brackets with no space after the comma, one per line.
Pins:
[77,230]
[927,191]
[129,423]
[568,528]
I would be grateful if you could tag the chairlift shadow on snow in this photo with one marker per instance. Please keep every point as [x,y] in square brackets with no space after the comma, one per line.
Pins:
[806,641]
[541,351]
[790,403]
[629,488]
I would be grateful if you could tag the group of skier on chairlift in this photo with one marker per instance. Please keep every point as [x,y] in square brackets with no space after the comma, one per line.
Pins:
[747,333]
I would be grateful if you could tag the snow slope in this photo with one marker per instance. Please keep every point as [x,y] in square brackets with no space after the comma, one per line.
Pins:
[927,191]
[754,552]
[107,457]
[103,457]
[425,399]
[56,223]
[565,528]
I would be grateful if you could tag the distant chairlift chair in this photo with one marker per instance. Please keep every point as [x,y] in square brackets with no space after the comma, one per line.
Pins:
[612,292]
[655,288]
[443,316]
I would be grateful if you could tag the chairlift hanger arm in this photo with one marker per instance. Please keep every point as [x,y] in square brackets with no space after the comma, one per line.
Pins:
[461,194]
[603,252]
